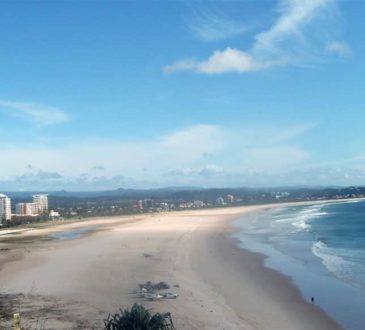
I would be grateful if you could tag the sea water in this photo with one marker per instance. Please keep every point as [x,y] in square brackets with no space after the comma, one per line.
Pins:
[71,234]
[321,247]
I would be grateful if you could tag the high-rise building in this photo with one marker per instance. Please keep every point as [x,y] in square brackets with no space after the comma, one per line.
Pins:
[220,201]
[230,199]
[41,203]
[5,208]
[38,207]
[24,209]
[20,209]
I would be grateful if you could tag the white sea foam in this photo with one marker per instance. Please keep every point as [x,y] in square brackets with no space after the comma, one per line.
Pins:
[331,261]
[301,221]
[338,262]
[302,225]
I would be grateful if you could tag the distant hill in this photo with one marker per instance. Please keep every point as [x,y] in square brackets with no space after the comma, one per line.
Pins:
[192,193]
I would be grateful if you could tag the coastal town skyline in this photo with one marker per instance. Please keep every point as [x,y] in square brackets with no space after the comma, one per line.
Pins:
[38,206]
[241,93]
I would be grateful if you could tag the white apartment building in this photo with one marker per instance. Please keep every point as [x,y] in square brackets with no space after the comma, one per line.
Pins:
[54,215]
[220,201]
[230,199]
[41,203]
[5,208]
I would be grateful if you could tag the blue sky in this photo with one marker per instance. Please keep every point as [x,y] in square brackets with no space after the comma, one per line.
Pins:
[101,95]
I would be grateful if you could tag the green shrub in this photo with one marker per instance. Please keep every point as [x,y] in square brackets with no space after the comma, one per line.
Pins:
[138,318]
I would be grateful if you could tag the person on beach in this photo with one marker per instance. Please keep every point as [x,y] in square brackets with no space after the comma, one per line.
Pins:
[312,300]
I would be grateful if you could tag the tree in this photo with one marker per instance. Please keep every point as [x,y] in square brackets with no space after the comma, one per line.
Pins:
[138,318]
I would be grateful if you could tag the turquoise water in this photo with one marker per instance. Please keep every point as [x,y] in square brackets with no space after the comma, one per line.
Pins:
[321,247]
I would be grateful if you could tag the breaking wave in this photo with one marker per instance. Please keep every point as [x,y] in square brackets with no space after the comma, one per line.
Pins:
[301,220]
[341,262]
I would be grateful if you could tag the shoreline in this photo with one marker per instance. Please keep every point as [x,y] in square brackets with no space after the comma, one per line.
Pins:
[220,284]
[272,287]
[289,237]
[54,224]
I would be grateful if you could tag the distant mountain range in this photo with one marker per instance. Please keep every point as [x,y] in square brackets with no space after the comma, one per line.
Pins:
[190,193]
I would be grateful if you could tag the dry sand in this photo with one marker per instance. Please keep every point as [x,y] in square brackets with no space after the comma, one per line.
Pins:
[74,284]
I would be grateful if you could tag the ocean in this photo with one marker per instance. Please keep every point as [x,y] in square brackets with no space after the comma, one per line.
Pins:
[321,247]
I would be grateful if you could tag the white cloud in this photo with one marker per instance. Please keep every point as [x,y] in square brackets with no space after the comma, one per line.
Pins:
[324,175]
[309,176]
[211,26]
[193,136]
[235,157]
[52,181]
[206,171]
[294,15]
[211,170]
[275,158]
[41,114]
[188,145]
[259,136]
[229,60]
[182,65]
[98,168]
[339,48]
[180,148]
[289,133]
[248,154]
[283,43]
[187,171]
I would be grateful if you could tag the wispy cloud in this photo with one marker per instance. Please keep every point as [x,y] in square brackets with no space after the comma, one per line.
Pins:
[289,133]
[294,16]
[200,155]
[208,25]
[179,148]
[275,158]
[43,180]
[71,164]
[98,168]
[203,155]
[206,171]
[202,152]
[285,42]
[43,115]
[339,48]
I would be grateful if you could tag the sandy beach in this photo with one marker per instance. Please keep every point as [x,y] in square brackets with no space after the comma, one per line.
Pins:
[74,284]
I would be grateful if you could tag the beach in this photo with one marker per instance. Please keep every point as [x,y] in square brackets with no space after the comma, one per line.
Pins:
[75,280]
